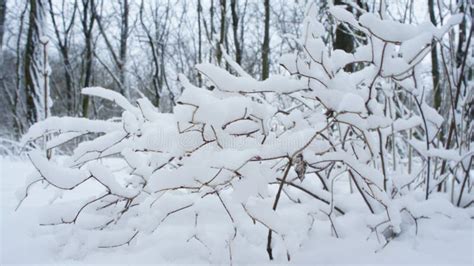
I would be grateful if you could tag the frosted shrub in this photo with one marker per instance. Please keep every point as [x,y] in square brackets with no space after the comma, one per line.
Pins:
[263,154]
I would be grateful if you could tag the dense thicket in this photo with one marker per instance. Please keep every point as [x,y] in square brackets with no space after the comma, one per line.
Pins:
[352,124]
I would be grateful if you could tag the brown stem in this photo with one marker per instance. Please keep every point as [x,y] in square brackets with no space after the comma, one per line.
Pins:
[361,192]
[382,160]
[466,177]
[310,193]
[275,204]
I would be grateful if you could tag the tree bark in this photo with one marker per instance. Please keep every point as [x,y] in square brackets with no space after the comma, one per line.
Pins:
[266,42]
[122,64]
[235,28]
[199,14]
[87,22]
[223,4]
[462,35]
[212,30]
[30,67]
[3,11]
[434,61]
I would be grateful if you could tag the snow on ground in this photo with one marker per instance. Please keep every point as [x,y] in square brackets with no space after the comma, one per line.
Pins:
[444,240]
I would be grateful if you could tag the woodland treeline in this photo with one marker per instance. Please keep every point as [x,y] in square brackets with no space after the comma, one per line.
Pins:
[53,48]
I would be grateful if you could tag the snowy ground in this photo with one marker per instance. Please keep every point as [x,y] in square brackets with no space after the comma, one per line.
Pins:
[444,240]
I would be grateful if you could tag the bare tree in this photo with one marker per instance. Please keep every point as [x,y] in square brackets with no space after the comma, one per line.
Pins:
[457,97]
[124,32]
[3,11]
[199,18]
[87,22]
[63,37]
[156,38]
[266,42]
[434,60]
[31,64]
[222,35]
[462,33]
[235,28]
[212,11]
[119,57]
[17,102]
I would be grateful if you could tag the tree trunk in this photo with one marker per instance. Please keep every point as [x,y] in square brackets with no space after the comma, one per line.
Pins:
[19,105]
[235,27]
[212,30]
[30,63]
[3,11]
[222,31]
[462,35]
[434,61]
[88,20]
[122,64]
[199,12]
[266,42]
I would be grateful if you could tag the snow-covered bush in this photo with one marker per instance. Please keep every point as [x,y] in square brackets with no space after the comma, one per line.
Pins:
[274,154]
